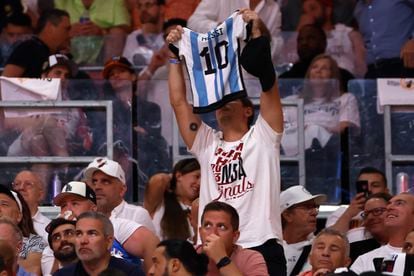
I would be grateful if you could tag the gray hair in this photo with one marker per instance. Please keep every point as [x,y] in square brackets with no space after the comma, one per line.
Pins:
[108,228]
[332,232]
[17,232]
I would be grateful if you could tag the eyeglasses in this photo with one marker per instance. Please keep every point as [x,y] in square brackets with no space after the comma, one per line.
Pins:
[146,5]
[22,185]
[68,233]
[375,212]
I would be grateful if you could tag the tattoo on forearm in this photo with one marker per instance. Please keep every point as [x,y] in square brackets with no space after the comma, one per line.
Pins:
[193,126]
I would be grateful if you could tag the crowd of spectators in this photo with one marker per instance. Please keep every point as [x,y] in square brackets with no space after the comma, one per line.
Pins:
[227,211]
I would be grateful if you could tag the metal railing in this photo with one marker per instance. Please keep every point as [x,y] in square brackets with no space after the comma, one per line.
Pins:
[107,105]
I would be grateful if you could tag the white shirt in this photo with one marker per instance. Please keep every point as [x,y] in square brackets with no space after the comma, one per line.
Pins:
[210,13]
[39,223]
[244,174]
[139,47]
[365,262]
[320,116]
[293,252]
[135,213]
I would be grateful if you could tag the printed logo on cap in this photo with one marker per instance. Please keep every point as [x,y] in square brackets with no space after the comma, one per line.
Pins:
[68,188]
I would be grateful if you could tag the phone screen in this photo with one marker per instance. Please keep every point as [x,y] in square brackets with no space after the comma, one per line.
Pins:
[362,187]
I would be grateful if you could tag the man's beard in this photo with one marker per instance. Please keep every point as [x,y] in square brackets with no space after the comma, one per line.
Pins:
[66,256]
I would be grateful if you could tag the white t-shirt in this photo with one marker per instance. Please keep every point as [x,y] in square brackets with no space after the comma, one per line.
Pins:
[139,47]
[365,262]
[319,116]
[135,213]
[244,174]
[339,46]
[39,223]
[293,252]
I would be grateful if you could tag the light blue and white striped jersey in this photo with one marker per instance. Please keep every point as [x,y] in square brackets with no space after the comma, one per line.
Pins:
[212,61]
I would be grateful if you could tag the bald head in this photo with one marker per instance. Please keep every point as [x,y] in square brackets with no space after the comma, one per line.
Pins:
[30,186]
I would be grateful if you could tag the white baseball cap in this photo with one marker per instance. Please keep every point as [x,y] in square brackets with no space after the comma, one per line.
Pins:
[107,166]
[298,194]
[75,188]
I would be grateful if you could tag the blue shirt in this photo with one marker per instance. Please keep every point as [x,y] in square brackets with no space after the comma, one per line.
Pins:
[385,26]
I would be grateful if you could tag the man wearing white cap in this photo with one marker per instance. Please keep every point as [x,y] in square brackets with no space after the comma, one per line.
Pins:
[131,239]
[299,209]
[107,179]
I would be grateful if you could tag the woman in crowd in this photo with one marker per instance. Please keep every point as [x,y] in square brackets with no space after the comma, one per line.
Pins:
[168,199]
[328,112]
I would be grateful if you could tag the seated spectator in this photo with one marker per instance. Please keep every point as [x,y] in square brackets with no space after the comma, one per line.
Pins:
[348,218]
[159,58]
[11,234]
[141,44]
[145,119]
[328,111]
[169,198]
[15,209]
[299,210]
[62,133]
[17,28]
[211,13]
[93,243]
[62,242]
[132,241]
[107,179]
[177,257]
[375,232]
[399,221]
[52,36]
[330,251]
[98,28]
[409,243]
[389,43]
[344,44]
[311,42]
[7,259]
[30,186]
[219,231]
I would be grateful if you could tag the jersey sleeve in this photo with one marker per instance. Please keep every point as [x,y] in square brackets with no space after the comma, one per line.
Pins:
[124,228]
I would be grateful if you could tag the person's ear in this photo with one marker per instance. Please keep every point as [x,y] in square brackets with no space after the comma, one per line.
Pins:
[348,262]
[110,241]
[236,235]
[175,265]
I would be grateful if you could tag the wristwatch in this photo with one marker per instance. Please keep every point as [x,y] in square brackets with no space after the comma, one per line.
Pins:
[223,262]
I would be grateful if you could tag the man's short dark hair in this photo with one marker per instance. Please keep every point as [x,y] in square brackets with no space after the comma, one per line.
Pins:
[55,223]
[372,170]
[384,196]
[53,16]
[19,19]
[193,262]
[224,207]
[246,102]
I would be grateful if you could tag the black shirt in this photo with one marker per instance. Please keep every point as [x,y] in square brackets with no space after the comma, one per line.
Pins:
[30,54]
[114,263]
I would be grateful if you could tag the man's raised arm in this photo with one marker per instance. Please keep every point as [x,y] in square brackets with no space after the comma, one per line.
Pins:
[188,122]
[257,60]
